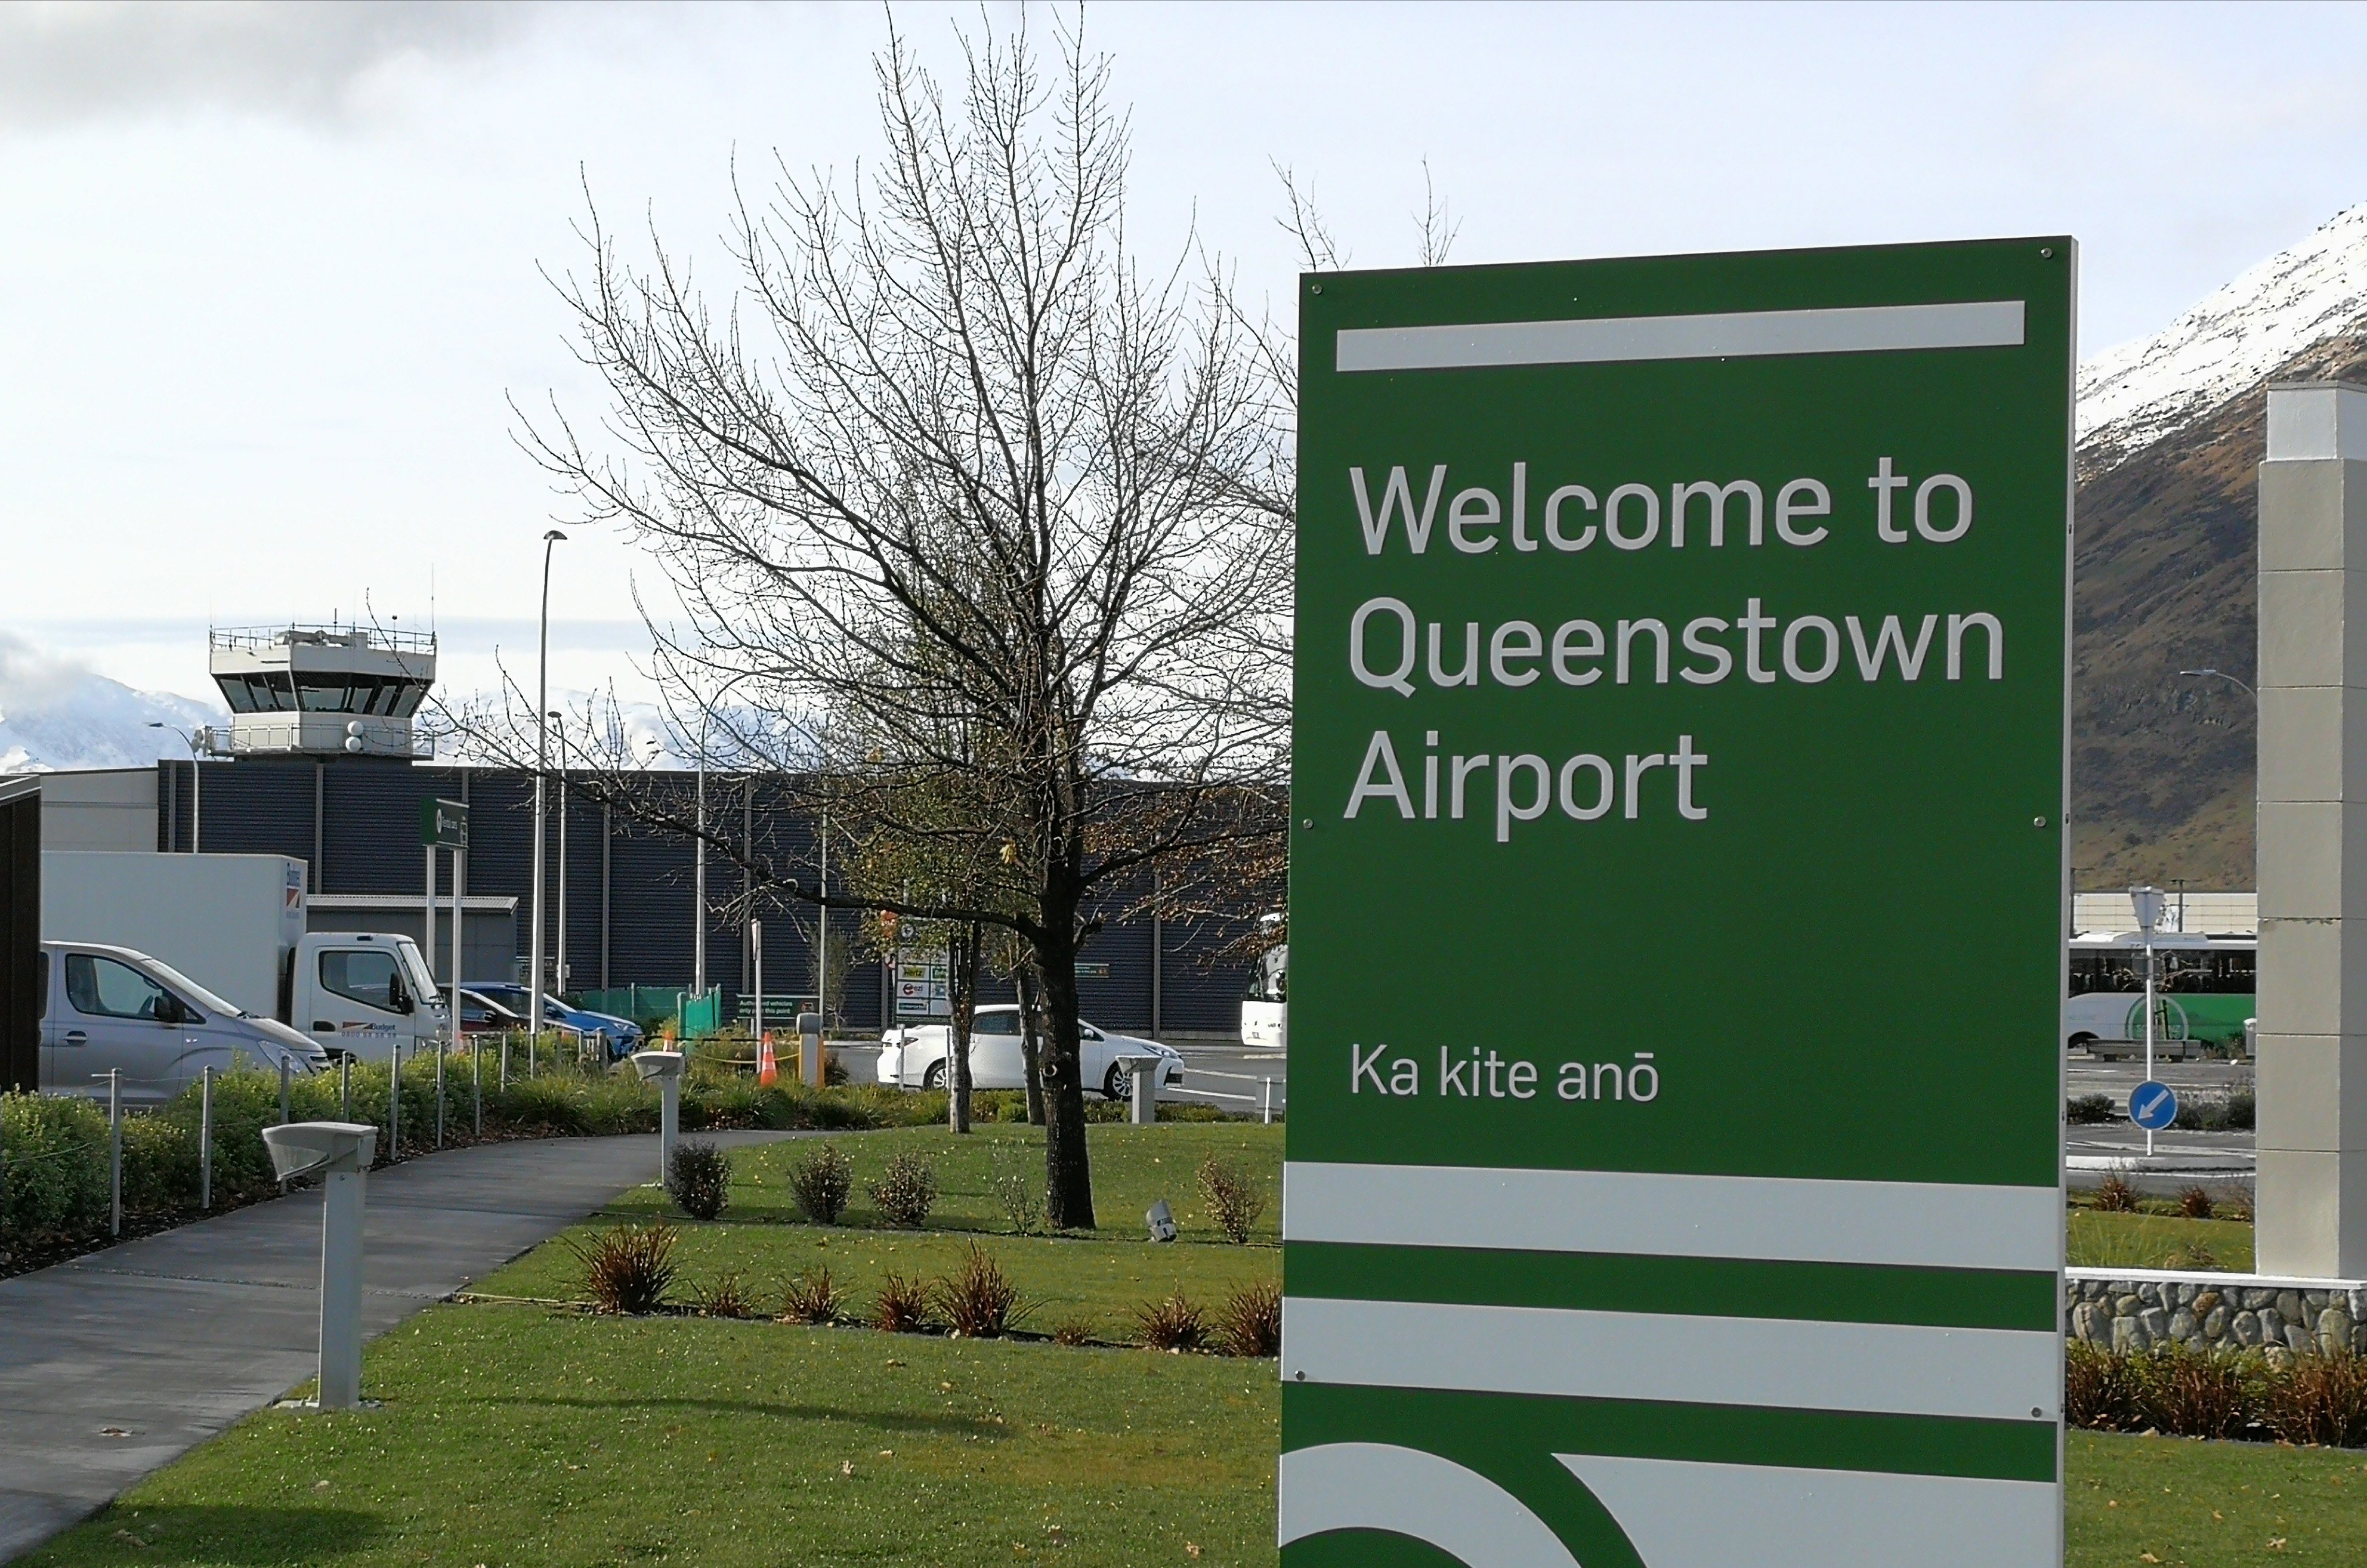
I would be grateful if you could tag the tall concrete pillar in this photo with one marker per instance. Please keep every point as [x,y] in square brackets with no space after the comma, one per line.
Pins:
[2313,834]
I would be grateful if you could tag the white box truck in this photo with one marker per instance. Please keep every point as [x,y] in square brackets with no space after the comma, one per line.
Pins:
[235,925]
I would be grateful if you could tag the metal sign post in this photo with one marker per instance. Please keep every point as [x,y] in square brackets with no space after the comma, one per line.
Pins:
[1687,619]
[443,825]
[2146,902]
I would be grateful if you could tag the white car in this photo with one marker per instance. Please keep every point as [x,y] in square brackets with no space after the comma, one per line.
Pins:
[914,1056]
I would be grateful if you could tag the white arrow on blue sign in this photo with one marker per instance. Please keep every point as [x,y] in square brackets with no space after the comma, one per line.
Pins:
[2153,1106]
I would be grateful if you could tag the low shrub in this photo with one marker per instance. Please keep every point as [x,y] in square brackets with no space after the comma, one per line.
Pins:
[901,1306]
[821,1183]
[812,1297]
[2236,1112]
[2196,1394]
[1022,1203]
[1250,1322]
[54,1199]
[978,1300]
[159,1166]
[2319,1399]
[2100,1392]
[698,1179]
[1234,1201]
[2235,1204]
[2195,1255]
[55,1187]
[627,1270]
[2085,1110]
[1073,1331]
[2115,1195]
[1187,1110]
[727,1297]
[906,1191]
[1172,1323]
[2194,1203]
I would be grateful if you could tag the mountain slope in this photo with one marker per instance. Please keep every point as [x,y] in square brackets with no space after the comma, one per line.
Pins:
[2166,561]
[57,714]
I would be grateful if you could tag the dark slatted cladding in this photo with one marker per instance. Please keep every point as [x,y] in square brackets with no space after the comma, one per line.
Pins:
[369,843]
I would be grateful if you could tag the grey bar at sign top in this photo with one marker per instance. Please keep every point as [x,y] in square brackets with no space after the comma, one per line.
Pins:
[1874,329]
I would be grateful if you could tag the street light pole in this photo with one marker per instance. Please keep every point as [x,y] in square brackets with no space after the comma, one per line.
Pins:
[2146,903]
[199,740]
[542,766]
[559,960]
[699,880]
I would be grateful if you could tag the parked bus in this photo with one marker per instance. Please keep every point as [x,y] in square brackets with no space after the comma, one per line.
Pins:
[1265,1011]
[2203,991]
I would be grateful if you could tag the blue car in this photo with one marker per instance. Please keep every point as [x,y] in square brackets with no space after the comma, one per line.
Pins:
[620,1036]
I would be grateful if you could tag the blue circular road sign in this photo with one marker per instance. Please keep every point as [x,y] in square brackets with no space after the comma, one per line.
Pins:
[2153,1106]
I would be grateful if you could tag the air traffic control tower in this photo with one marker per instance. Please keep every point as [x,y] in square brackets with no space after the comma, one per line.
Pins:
[323,691]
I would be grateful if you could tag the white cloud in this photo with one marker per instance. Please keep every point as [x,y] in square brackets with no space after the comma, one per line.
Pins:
[306,60]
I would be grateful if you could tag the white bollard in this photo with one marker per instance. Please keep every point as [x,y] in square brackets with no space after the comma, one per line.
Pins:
[810,1049]
[1143,1082]
[665,1066]
[341,1153]
[1267,1106]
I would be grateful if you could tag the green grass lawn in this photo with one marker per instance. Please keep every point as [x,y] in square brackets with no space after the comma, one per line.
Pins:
[524,1435]
[1096,1279]
[2158,1241]
[2197,1505]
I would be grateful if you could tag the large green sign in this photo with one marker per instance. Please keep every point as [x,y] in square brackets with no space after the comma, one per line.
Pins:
[1681,689]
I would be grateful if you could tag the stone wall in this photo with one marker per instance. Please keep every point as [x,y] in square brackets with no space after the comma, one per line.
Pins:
[2137,1309]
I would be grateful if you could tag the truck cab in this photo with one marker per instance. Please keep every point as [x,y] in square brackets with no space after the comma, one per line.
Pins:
[360,993]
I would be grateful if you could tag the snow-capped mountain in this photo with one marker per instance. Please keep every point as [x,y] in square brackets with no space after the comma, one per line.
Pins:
[2166,549]
[55,714]
[2131,396]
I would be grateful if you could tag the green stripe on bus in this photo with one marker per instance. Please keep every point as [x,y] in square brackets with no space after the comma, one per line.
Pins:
[1494,1431]
[1714,1287]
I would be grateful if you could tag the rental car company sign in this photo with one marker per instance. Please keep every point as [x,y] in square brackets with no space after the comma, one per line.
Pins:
[1676,930]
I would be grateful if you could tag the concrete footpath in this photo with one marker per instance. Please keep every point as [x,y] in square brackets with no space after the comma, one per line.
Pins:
[120,1362]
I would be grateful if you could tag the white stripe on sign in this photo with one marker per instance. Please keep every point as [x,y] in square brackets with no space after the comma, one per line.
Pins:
[1680,1514]
[1740,335]
[1380,1486]
[1896,1369]
[1912,1224]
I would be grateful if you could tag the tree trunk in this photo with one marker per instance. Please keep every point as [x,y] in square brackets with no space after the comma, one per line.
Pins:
[1068,1176]
[1031,1023]
[962,973]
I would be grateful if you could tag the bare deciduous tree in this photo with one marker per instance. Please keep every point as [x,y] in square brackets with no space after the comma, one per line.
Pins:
[967,507]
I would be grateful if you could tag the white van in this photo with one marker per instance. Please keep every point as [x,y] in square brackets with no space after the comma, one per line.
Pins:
[109,1007]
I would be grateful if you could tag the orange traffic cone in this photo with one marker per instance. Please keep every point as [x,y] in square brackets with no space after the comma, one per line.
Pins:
[767,1070]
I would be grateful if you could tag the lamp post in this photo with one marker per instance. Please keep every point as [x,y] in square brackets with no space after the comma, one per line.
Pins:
[200,742]
[558,960]
[542,766]
[2146,903]
[699,879]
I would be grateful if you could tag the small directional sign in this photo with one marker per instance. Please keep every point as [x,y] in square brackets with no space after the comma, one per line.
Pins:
[444,824]
[2153,1106]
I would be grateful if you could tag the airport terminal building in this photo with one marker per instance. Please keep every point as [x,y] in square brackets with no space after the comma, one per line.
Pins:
[321,766]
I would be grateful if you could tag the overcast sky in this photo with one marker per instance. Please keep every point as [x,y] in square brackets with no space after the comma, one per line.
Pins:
[269,273]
